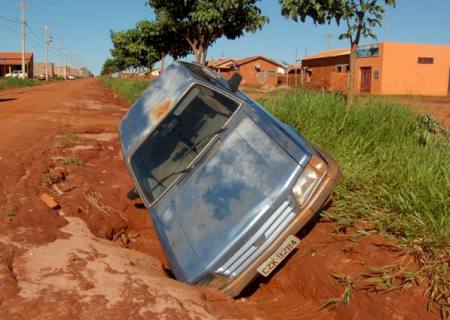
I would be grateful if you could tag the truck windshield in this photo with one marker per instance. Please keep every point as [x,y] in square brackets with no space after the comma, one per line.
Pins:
[178,139]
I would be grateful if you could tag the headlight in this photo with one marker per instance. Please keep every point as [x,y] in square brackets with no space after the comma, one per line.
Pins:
[308,181]
[214,280]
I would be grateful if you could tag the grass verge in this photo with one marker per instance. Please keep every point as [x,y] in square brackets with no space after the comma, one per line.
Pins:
[396,172]
[129,90]
[17,83]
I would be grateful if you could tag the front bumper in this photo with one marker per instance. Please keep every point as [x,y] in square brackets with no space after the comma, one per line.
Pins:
[315,203]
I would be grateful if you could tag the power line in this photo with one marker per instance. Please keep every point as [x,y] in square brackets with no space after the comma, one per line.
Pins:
[9,28]
[71,25]
[9,20]
[34,34]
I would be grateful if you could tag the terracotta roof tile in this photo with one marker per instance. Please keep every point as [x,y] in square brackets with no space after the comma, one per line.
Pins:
[329,54]
[14,57]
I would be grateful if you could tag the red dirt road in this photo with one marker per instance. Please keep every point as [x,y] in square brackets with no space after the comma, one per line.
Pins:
[98,257]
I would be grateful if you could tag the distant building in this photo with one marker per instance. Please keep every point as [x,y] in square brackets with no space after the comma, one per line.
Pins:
[222,66]
[39,69]
[155,72]
[293,75]
[327,70]
[255,70]
[11,61]
[385,68]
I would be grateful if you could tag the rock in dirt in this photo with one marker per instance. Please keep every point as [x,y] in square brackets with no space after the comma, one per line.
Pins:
[49,201]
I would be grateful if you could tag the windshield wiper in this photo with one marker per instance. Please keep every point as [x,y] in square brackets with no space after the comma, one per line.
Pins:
[212,134]
[160,182]
[186,170]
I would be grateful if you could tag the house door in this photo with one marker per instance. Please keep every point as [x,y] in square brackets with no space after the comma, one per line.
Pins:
[366,79]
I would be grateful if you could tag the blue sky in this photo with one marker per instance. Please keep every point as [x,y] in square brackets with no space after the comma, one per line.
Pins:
[82,27]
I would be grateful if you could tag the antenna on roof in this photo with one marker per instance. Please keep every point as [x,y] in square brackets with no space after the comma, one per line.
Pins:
[329,41]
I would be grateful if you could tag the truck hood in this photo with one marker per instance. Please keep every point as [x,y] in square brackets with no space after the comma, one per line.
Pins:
[216,204]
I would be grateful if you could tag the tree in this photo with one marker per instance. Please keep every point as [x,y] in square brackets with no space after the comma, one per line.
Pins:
[202,22]
[109,67]
[163,39]
[131,51]
[360,17]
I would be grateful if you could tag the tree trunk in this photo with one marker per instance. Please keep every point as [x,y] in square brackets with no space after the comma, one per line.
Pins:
[198,50]
[203,58]
[200,54]
[161,65]
[352,76]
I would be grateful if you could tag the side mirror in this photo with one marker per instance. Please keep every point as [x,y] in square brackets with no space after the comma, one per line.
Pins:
[235,81]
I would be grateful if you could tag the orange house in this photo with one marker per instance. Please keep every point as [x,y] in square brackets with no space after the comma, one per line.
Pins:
[11,61]
[255,70]
[403,68]
[388,68]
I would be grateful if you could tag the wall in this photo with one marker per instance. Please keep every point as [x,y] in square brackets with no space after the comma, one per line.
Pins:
[250,73]
[402,74]
[339,81]
[39,68]
[376,63]
[322,70]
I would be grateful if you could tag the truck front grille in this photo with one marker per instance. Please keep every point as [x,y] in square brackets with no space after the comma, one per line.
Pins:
[259,242]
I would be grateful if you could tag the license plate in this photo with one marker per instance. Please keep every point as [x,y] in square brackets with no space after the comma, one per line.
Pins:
[275,259]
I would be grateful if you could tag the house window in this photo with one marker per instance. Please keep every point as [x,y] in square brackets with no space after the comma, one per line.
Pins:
[425,60]
[342,68]
[271,74]
[376,75]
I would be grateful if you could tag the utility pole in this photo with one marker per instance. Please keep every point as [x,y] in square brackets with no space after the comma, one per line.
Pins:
[46,52]
[64,63]
[59,58]
[295,68]
[22,4]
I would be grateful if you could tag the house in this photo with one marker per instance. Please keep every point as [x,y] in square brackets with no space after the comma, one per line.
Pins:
[388,68]
[224,67]
[294,75]
[255,70]
[11,61]
[259,71]
[327,70]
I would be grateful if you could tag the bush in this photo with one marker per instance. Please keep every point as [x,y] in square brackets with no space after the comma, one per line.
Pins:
[129,90]
[16,83]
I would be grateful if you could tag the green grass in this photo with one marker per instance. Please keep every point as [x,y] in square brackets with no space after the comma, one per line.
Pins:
[396,171]
[129,90]
[72,161]
[10,213]
[66,138]
[17,83]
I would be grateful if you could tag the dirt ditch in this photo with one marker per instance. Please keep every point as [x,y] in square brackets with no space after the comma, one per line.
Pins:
[97,254]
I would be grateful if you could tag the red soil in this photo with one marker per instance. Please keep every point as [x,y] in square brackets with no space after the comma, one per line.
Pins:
[98,255]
